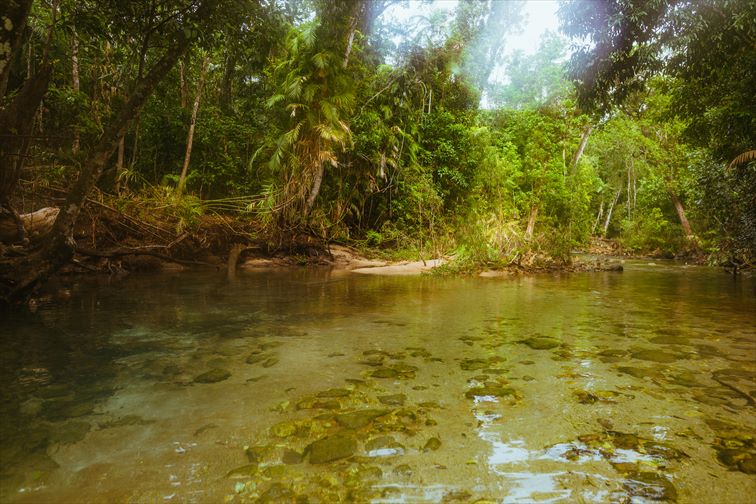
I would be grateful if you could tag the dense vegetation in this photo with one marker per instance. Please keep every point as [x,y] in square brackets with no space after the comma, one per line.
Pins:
[328,120]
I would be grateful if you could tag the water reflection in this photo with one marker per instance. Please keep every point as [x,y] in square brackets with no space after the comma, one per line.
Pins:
[281,386]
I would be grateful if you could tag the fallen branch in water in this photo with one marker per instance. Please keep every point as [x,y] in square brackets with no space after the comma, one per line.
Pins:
[147,250]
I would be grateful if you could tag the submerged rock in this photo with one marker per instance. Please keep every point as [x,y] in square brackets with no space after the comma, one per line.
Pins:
[279,494]
[398,370]
[650,485]
[255,358]
[585,397]
[670,340]
[358,419]
[655,356]
[213,376]
[331,448]
[244,471]
[403,470]
[393,400]
[541,343]
[384,446]
[492,390]
[640,372]
[335,392]
[284,429]
[270,362]
[385,373]
[125,421]
[473,364]
[292,457]
[70,432]
[432,444]
[255,454]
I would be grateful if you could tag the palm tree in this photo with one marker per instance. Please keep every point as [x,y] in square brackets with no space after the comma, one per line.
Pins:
[316,92]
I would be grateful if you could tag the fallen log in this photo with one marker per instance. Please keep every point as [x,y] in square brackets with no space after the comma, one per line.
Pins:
[121,252]
[36,225]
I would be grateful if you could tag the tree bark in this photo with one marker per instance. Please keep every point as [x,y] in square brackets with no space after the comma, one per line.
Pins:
[183,88]
[609,213]
[119,163]
[531,222]
[16,125]
[75,86]
[16,13]
[317,181]
[228,77]
[598,218]
[681,215]
[581,148]
[17,118]
[193,122]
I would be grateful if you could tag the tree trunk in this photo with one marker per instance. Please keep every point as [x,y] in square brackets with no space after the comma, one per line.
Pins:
[228,77]
[629,189]
[609,213]
[681,214]
[16,125]
[183,88]
[75,86]
[190,136]
[317,181]
[581,148]
[11,37]
[17,118]
[119,163]
[233,260]
[531,222]
[598,218]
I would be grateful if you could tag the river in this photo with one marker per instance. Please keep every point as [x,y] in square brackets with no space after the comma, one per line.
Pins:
[327,386]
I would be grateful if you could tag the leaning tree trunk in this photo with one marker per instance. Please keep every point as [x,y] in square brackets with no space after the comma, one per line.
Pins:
[59,246]
[17,117]
[16,126]
[581,148]
[609,213]
[190,136]
[681,215]
[315,190]
[531,222]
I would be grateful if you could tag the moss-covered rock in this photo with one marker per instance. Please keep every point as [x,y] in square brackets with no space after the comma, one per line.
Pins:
[331,448]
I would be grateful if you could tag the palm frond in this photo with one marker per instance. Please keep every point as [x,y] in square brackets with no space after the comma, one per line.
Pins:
[271,102]
[743,158]
[320,60]
[294,87]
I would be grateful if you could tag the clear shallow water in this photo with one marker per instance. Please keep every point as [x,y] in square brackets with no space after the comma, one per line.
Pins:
[605,387]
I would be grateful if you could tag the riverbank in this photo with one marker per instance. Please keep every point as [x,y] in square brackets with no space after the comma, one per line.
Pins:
[119,236]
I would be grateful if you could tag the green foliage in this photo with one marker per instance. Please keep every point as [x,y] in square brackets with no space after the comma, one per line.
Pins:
[316,120]
[650,231]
